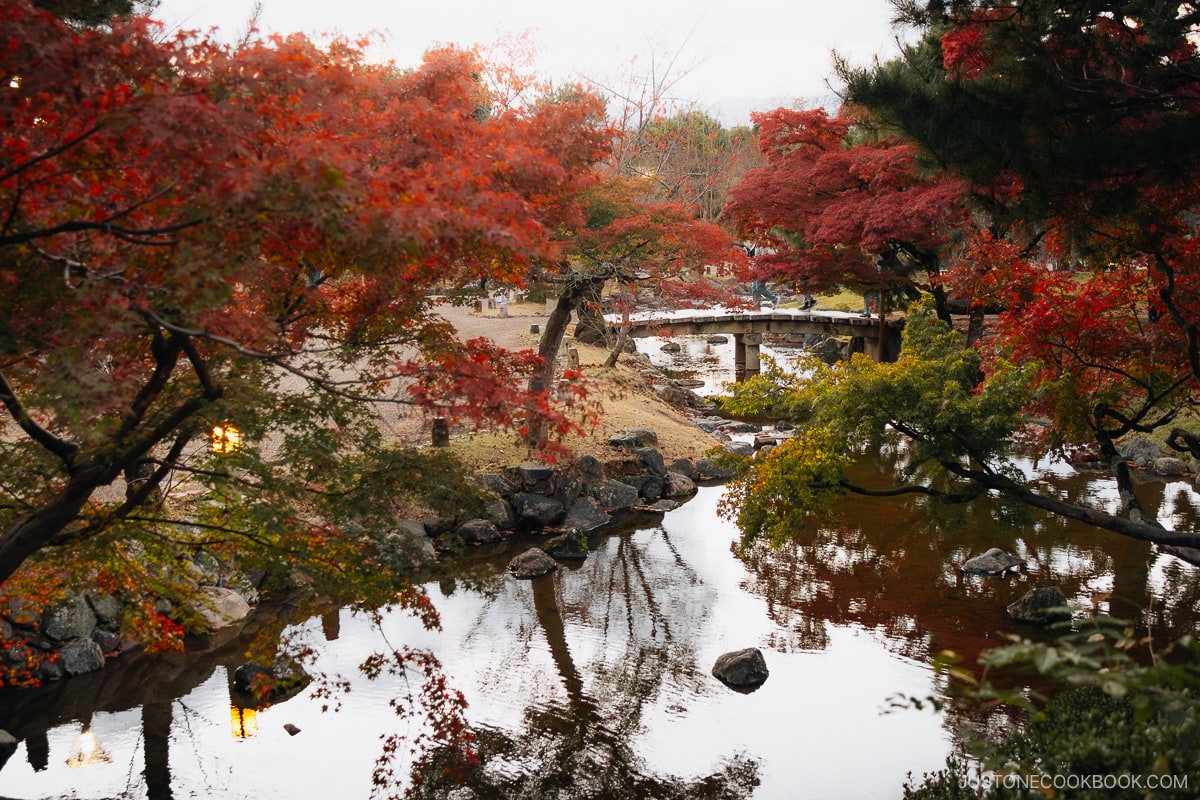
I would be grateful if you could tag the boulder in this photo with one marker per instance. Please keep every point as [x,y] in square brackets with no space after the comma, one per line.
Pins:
[497,483]
[221,607]
[80,656]
[678,485]
[831,350]
[1141,450]
[707,468]
[993,562]
[665,505]
[570,486]
[644,437]
[501,513]
[1042,605]
[247,583]
[589,467]
[741,448]
[281,680]
[70,618]
[577,479]
[571,546]
[533,563]
[208,567]
[109,642]
[22,612]
[634,438]
[717,338]
[478,531]
[671,347]
[50,670]
[535,510]
[649,487]
[651,460]
[673,394]
[741,669]
[536,477]
[107,610]
[405,546]
[614,495]
[1169,467]
[586,514]
[682,466]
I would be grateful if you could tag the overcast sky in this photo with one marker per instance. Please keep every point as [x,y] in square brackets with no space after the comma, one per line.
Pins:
[736,53]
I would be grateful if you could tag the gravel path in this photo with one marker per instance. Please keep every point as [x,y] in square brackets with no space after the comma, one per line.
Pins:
[511,332]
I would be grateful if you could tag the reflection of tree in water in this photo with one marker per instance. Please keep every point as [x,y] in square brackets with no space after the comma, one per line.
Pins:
[633,593]
[891,566]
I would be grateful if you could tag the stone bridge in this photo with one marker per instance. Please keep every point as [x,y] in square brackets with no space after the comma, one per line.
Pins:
[866,334]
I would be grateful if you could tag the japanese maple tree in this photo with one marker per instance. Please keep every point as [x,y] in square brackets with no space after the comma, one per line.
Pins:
[834,206]
[627,232]
[1073,126]
[194,235]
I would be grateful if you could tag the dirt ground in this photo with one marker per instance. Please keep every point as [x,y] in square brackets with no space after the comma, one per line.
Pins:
[625,401]
[510,332]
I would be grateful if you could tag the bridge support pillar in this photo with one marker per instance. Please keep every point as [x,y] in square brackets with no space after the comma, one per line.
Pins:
[752,342]
[746,362]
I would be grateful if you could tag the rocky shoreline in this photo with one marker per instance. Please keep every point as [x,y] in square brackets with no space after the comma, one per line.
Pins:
[82,632]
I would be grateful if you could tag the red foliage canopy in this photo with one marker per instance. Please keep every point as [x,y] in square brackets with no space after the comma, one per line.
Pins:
[183,224]
[831,211]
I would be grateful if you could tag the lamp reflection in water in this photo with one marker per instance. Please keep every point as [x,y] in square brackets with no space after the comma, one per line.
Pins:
[87,752]
[244,722]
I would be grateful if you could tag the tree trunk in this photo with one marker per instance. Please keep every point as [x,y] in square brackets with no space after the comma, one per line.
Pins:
[569,300]
[619,347]
[941,303]
[975,324]
[592,329]
[622,334]
[32,533]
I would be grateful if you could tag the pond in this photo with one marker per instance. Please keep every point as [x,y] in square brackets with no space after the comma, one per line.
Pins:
[708,363]
[594,682]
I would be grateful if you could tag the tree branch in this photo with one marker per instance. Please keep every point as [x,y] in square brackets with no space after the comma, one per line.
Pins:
[61,448]
[1144,531]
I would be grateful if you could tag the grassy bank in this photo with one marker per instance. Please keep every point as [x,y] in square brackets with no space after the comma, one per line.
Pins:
[620,398]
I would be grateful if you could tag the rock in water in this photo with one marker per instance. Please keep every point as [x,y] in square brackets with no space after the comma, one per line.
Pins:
[993,562]
[1043,605]
[533,563]
[741,669]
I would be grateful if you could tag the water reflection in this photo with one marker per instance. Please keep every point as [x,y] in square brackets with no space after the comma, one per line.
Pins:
[594,682]
[707,362]
[892,568]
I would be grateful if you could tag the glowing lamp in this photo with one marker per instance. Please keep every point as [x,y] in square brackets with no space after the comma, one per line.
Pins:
[226,438]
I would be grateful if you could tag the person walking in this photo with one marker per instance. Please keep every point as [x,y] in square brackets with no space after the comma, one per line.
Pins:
[758,290]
